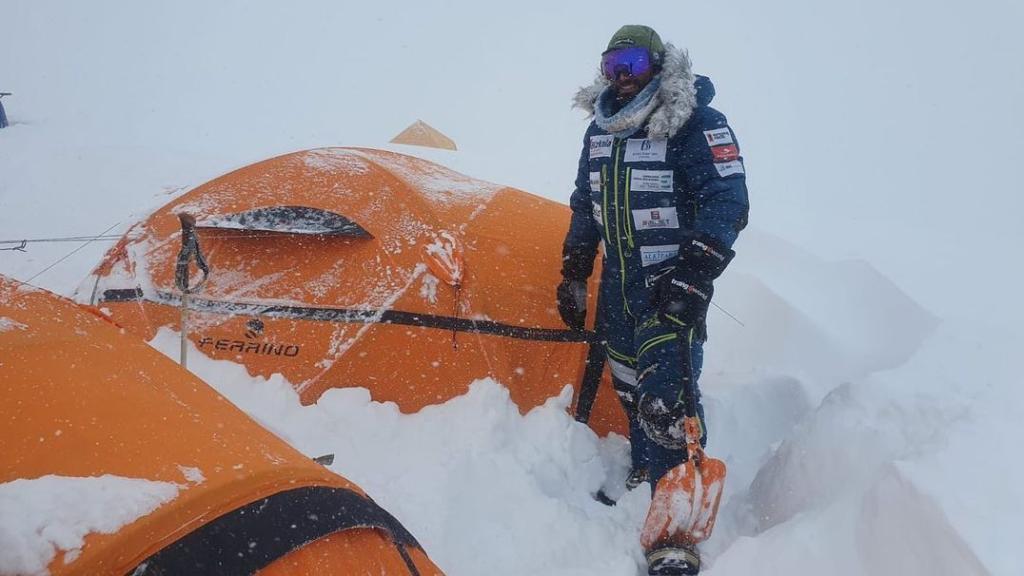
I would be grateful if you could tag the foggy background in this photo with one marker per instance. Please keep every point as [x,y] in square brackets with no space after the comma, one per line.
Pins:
[880,130]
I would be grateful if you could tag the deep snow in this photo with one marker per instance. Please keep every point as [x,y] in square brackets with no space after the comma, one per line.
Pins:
[868,406]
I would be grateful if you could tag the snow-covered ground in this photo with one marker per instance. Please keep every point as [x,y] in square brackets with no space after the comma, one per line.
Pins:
[868,406]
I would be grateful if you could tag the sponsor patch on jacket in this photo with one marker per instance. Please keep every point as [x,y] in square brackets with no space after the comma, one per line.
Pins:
[598,213]
[650,180]
[595,182]
[655,218]
[725,153]
[651,255]
[727,168]
[645,150]
[601,146]
[718,136]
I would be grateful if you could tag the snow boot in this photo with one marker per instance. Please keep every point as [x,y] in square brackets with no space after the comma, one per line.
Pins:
[637,476]
[673,560]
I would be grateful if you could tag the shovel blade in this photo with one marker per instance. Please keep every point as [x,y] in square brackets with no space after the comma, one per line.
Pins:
[685,504]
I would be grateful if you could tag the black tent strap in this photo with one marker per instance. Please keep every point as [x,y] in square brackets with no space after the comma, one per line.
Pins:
[591,381]
[354,316]
[252,537]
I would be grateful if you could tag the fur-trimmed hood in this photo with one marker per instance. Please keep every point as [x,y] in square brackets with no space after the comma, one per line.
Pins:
[679,94]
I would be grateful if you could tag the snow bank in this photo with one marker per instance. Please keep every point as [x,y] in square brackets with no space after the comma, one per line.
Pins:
[42,517]
[824,322]
[477,482]
[899,473]
[824,440]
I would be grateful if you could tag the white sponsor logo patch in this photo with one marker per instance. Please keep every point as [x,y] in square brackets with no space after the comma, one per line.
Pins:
[595,182]
[650,180]
[598,213]
[727,168]
[651,255]
[645,150]
[718,136]
[601,146]
[654,218]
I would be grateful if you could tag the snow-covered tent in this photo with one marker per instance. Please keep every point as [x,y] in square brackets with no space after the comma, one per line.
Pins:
[348,267]
[419,133]
[115,460]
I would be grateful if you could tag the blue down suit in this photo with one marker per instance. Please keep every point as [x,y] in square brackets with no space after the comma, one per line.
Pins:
[642,197]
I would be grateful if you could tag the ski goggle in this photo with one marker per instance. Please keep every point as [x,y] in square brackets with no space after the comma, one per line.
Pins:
[629,61]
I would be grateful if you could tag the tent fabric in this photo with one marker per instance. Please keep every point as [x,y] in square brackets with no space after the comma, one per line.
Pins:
[106,403]
[325,557]
[419,133]
[254,536]
[454,281]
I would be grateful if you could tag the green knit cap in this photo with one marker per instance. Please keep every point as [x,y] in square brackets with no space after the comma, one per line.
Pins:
[637,35]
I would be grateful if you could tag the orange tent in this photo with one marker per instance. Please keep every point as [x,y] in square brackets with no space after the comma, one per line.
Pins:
[419,133]
[356,267]
[83,400]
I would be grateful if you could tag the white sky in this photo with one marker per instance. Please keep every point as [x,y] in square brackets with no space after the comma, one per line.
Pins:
[872,129]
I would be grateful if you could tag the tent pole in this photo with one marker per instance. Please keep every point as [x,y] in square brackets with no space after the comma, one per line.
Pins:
[184,330]
[189,251]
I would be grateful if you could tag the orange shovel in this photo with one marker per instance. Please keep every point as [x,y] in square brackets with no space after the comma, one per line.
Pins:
[686,499]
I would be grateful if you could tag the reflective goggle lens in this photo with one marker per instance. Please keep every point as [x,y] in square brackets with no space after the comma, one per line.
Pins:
[628,61]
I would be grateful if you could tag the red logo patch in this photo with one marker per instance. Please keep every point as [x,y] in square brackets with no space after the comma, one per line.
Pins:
[726,153]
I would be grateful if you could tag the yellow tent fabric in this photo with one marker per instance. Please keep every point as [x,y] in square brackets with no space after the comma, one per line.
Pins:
[419,133]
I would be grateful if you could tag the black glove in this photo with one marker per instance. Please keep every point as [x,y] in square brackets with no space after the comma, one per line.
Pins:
[572,303]
[683,289]
[682,303]
[577,265]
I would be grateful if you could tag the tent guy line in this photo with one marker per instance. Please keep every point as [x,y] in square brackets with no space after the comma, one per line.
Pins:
[62,239]
[69,254]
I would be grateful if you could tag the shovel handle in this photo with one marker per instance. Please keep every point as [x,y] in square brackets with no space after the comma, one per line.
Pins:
[692,429]
[689,388]
[691,422]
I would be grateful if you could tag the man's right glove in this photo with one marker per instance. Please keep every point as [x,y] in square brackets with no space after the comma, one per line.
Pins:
[572,303]
[683,290]
[577,265]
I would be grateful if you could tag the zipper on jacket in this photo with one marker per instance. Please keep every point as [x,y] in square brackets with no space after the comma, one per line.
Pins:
[618,230]
[629,213]
[604,199]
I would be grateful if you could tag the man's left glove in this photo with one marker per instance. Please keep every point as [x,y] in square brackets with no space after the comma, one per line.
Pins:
[684,289]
